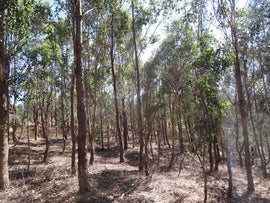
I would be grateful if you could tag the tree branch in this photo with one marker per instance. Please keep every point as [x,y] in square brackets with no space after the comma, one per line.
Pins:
[86,12]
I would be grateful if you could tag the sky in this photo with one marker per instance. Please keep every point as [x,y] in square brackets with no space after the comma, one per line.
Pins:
[161,30]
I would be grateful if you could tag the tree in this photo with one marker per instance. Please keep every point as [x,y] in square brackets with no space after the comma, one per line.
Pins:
[125,124]
[4,75]
[81,115]
[138,90]
[226,13]
[117,115]
[241,98]
[14,23]
[72,130]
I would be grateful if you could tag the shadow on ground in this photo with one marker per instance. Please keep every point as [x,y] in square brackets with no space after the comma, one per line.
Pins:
[107,153]
[21,174]
[94,196]
[249,197]
[114,183]
[132,158]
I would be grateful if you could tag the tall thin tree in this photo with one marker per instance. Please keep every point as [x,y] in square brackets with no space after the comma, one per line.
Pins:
[117,115]
[241,98]
[81,114]
[139,108]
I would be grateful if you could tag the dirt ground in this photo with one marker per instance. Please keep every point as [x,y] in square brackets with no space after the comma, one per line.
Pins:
[114,182]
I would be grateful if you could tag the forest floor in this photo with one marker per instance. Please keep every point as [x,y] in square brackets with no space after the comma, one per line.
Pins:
[114,182]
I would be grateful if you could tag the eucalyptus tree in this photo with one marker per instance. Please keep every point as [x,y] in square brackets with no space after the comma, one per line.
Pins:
[124,83]
[14,88]
[173,58]
[17,78]
[151,106]
[15,23]
[140,17]
[44,57]
[71,19]
[118,28]
[125,71]
[257,33]
[81,114]
[96,57]
[138,90]
[39,31]
[209,66]
[191,69]
[251,83]
[72,127]
[226,15]
[144,17]
[63,40]
[127,85]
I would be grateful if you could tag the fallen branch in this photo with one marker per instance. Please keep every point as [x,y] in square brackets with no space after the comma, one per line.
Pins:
[181,164]
[143,182]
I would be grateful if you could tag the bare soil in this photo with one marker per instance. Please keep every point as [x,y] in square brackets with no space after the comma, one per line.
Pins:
[114,182]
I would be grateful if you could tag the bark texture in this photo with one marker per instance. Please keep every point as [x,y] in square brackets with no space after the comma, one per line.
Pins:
[82,159]
[241,101]
[4,106]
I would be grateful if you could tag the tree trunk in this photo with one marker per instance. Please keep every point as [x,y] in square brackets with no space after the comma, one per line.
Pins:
[72,122]
[147,135]
[4,110]
[159,140]
[262,158]
[52,108]
[165,133]
[151,141]
[94,115]
[114,132]
[132,123]
[14,118]
[101,129]
[262,66]
[73,151]
[202,162]
[229,167]
[179,125]
[239,150]
[117,116]
[241,101]
[35,118]
[268,148]
[262,154]
[148,128]
[14,124]
[216,156]
[125,125]
[4,73]
[28,139]
[211,163]
[82,159]
[55,119]
[139,108]
[45,124]
[108,136]
[45,135]
[63,123]
[92,135]
[172,107]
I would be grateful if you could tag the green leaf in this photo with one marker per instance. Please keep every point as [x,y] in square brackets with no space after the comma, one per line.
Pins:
[2,129]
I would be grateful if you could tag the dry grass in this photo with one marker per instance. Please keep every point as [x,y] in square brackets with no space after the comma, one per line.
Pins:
[114,182]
